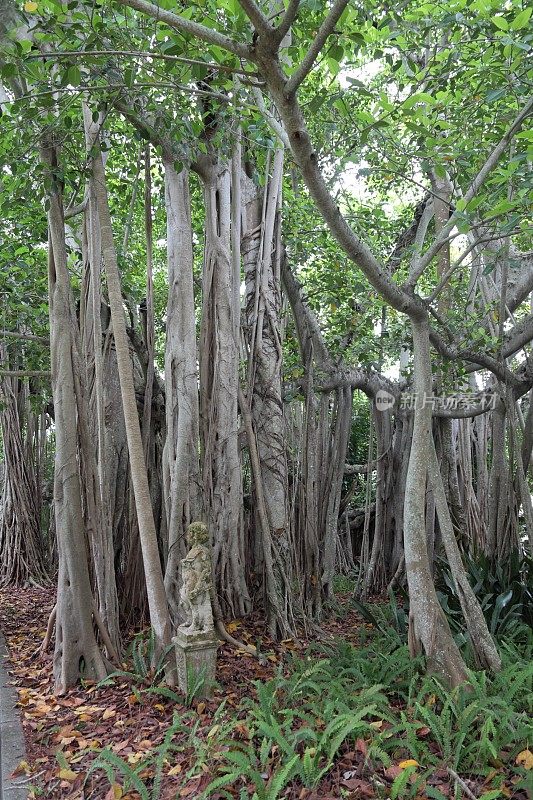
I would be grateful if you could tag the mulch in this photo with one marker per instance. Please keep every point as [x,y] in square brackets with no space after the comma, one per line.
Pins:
[64,734]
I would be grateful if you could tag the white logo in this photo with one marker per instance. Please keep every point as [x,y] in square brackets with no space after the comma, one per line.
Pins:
[384,400]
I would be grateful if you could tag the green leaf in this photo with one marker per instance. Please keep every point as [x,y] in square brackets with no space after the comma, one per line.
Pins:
[521,20]
[502,207]
[495,94]
[73,76]
[434,793]
[419,97]
[500,23]
[8,70]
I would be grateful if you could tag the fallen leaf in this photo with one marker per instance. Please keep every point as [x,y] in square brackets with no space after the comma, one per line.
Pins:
[409,762]
[360,745]
[363,788]
[67,775]
[23,768]
[30,7]
[114,793]
[187,790]
[525,759]
[175,770]
[392,772]
[134,757]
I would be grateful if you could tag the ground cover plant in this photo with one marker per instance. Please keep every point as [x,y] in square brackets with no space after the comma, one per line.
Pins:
[318,720]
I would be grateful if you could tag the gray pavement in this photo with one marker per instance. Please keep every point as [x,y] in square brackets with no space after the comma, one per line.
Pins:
[12,750]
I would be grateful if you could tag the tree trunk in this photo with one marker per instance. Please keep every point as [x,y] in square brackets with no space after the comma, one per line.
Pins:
[96,486]
[21,553]
[181,479]
[261,258]
[497,481]
[485,652]
[76,650]
[429,632]
[159,615]
[219,362]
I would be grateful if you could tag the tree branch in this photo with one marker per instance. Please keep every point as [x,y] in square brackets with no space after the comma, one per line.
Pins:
[256,16]
[318,43]
[518,337]
[522,289]
[307,161]
[24,373]
[407,238]
[452,352]
[420,234]
[211,65]
[270,119]
[446,277]
[188,26]
[30,336]
[475,186]
[288,19]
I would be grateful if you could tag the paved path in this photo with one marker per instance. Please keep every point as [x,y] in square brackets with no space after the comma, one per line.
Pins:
[12,750]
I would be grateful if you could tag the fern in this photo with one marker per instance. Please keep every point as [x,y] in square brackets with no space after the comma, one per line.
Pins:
[399,786]
[161,756]
[164,691]
[280,779]
[112,764]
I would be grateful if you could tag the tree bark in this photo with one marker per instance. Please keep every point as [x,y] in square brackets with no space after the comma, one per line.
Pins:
[429,632]
[181,478]
[219,362]
[21,553]
[261,248]
[76,650]
[159,615]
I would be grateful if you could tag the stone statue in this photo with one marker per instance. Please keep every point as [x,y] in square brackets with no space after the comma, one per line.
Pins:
[196,581]
[196,641]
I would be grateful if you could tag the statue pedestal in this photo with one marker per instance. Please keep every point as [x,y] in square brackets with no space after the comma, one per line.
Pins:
[196,657]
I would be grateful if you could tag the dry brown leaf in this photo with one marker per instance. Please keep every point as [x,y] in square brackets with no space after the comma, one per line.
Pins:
[525,759]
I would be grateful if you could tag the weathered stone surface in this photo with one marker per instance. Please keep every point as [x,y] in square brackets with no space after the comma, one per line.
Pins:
[197,581]
[196,658]
[196,642]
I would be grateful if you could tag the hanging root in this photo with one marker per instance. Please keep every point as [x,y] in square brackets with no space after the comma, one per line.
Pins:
[112,653]
[226,637]
[49,630]
[400,569]
[99,624]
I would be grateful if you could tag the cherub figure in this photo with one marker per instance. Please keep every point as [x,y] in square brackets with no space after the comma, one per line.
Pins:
[196,581]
